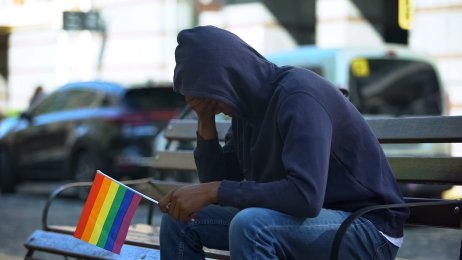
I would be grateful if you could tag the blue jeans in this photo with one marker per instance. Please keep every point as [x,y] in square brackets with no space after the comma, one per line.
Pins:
[258,233]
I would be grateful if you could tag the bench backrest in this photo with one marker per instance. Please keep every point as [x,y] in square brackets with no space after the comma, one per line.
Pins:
[183,130]
[429,169]
[413,169]
[442,169]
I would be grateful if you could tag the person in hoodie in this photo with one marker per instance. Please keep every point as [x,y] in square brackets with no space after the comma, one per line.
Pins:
[297,160]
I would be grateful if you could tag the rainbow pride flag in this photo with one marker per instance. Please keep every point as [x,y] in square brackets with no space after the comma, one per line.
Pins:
[107,213]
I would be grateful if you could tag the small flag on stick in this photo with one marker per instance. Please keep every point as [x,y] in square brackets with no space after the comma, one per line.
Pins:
[107,213]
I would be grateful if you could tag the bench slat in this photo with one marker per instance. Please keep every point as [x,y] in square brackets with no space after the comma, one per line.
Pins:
[441,170]
[161,188]
[427,129]
[140,235]
[185,129]
[68,245]
[178,160]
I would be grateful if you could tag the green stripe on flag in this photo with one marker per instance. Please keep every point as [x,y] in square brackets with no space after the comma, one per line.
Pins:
[111,216]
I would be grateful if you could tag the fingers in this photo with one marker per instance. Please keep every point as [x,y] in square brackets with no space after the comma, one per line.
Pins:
[204,107]
[178,210]
[183,203]
[169,204]
[164,202]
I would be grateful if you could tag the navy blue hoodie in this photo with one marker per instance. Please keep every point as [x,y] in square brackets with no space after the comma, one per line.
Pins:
[295,145]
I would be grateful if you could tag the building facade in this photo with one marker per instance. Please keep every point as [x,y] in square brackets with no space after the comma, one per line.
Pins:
[134,40]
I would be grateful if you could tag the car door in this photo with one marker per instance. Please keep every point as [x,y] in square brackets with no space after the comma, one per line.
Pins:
[46,143]
[36,137]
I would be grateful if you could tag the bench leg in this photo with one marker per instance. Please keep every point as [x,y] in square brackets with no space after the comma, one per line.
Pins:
[460,255]
[29,254]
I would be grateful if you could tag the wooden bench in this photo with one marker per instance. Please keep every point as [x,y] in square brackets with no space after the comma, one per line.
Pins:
[431,170]
[425,169]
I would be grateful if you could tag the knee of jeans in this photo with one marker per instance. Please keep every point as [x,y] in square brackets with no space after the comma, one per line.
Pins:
[169,225]
[248,221]
[173,228]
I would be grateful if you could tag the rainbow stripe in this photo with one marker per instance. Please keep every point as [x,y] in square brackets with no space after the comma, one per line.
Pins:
[107,214]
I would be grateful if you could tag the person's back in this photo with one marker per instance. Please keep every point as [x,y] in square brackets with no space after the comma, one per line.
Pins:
[359,174]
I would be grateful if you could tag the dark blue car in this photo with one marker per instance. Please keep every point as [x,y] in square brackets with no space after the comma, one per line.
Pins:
[82,127]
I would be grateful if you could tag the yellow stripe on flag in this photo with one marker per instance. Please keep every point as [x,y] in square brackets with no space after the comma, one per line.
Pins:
[106,207]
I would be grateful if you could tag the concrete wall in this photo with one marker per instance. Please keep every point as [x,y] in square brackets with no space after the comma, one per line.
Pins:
[254,23]
[340,23]
[32,61]
[141,40]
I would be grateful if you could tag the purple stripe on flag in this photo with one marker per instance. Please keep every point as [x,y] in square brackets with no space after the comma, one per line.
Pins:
[113,234]
[126,223]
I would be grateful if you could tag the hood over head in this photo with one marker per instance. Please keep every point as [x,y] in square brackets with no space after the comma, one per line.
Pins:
[215,63]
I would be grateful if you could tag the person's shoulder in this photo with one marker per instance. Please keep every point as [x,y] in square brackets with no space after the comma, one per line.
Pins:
[300,80]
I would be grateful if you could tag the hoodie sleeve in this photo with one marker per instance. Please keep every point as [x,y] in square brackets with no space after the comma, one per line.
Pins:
[306,131]
[216,163]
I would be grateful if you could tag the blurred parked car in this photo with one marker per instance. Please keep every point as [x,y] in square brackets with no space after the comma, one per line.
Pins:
[385,81]
[390,80]
[82,127]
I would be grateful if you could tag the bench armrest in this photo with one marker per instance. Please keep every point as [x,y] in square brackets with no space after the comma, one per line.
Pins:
[335,250]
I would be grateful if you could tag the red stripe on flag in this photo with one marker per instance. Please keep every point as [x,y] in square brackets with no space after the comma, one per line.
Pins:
[96,186]
[126,223]
[96,209]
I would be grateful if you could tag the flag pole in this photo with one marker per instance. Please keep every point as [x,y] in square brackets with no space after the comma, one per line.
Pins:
[135,191]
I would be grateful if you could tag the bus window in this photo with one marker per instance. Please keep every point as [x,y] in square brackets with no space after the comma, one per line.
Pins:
[395,87]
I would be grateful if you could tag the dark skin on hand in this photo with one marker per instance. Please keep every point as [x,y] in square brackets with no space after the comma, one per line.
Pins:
[183,203]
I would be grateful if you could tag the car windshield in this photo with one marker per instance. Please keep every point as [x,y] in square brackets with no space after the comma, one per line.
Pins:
[155,98]
[394,87]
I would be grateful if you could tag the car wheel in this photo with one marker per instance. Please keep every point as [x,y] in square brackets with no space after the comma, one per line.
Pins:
[84,169]
[7,178]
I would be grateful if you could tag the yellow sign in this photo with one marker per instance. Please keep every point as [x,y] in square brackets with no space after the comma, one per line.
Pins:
[360,67]
[405,14]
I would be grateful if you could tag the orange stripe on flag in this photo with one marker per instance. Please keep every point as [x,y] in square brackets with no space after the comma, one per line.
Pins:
[96,209]
[103,213]
[97,182]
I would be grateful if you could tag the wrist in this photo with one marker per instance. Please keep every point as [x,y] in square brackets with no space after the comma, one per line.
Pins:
[213,191]
[207,128]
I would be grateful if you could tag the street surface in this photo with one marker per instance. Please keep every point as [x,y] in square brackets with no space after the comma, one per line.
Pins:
[20,215]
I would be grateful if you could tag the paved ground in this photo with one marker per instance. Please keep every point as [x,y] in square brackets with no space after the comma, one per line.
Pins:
[20,215]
